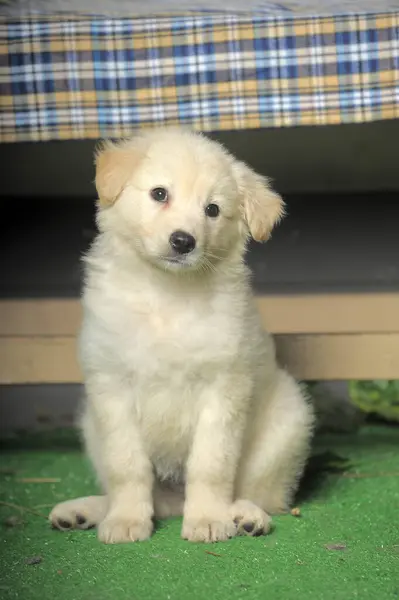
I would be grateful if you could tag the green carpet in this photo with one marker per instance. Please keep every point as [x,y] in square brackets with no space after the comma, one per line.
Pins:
[344,545]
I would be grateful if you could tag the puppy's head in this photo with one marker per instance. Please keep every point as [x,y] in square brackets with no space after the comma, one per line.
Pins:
[180,200]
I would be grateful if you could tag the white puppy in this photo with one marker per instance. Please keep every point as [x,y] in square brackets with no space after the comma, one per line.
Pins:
[186,411]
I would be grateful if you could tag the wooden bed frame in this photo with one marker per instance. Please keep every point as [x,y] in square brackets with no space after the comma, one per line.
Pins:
[318,337]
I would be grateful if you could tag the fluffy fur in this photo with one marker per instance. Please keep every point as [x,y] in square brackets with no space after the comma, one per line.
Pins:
[186,411]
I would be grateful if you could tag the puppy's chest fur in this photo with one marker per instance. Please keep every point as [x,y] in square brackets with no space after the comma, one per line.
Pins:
[184,334]
[172,350]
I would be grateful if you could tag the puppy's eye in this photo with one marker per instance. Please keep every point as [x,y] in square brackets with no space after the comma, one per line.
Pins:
[212,210]
[159,194]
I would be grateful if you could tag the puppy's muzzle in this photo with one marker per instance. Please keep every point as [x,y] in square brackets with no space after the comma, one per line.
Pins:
[182,242]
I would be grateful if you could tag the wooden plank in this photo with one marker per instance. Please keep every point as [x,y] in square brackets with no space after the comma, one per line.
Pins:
[311,313]
[37,359]
[340,356]
[40,317]
[330,313]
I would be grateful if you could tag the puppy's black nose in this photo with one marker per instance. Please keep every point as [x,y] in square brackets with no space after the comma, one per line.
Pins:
[182,242]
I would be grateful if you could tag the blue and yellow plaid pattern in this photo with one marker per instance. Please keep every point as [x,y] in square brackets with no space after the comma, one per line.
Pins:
[77,78]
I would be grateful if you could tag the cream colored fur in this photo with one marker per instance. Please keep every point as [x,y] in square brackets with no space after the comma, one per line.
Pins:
[186,410]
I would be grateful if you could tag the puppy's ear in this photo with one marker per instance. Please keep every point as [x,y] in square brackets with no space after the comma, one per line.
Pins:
[261,207]
[115,163]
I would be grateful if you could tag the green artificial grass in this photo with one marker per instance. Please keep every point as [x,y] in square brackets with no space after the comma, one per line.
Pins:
[344,545]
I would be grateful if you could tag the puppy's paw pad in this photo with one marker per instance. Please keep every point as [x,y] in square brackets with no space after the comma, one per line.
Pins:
[115,530]
[249,519]
[82,513]
[208,530]
[81,520]
[61,524]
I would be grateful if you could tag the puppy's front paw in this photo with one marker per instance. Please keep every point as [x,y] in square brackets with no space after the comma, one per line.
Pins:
[114,530]
[209,529]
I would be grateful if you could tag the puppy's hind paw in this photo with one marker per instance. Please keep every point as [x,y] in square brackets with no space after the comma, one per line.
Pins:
[81,513]
[250,519]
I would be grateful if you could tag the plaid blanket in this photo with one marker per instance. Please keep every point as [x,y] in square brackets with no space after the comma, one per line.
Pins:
[70,77]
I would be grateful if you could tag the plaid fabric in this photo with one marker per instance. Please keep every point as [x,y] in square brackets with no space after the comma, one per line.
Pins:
[76,78]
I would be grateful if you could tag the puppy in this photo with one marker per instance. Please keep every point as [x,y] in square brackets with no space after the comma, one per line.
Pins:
[186,411]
